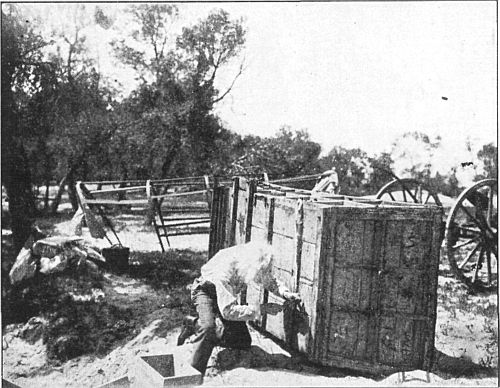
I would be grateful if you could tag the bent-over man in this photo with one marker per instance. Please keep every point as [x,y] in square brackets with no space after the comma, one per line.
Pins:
[215,295]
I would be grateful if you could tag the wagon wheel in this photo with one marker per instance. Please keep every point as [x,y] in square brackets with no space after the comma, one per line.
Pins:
[471,236]
[408,190]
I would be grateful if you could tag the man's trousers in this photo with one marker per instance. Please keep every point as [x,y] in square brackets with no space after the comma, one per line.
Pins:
[209,333]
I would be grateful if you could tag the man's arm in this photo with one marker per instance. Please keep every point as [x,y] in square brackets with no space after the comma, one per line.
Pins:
[229,307]
[279,288]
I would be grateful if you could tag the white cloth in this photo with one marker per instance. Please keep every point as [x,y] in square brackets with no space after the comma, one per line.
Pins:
[231,269]
[328,184]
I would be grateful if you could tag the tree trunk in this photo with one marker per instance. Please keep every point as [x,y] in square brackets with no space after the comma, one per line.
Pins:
[57,200]
[46,196]
[16,175]
[73,197]
[17,180]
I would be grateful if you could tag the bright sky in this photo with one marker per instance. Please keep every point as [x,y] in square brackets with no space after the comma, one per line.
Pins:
[356,74]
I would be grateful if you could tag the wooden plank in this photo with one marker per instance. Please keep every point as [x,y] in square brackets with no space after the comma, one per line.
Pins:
[174,195]
[234,210]
[119,190]
[131,202]
[284,223]
[218,222]
[252,188]
[242,212]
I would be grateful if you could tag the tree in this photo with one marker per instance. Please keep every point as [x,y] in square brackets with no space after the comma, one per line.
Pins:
[414,154]
[488,155]
[174,130]
[352,166]
[150,55]
[21,62]
[381,168]
[287,154]
[205,48]
[80,121]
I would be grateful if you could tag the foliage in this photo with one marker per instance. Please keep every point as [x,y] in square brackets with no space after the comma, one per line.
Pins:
[417,156]
[417,150]
[149,56]
[488,155]
[352,166]
[21,73]
[173,129]
[287,154]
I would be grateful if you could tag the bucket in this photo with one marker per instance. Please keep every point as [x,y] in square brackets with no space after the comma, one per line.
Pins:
[116,257]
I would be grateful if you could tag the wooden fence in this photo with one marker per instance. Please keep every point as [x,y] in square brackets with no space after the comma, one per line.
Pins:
[174,206]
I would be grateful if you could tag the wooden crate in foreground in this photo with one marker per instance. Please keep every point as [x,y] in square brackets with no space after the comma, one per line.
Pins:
[366,271]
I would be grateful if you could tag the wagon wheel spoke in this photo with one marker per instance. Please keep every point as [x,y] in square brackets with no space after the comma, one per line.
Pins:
[484,229]
[406,188]
[488,264]
[417,195]
[428,196]
[469,256]
[465,243]
[489,213]
[477,233]
[478,265]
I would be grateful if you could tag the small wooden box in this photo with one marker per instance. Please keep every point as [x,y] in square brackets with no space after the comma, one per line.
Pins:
[163,370]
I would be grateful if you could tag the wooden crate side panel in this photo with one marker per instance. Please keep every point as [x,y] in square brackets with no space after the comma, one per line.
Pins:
[228,217]
[308,286]
[285,217]
[349,335]
[408,293]
[283,230]
[317,308]
[312,223]
[241,215]
[401,341]
[350,284]
[431,292]
[284,267]
[378,265]
[276,324]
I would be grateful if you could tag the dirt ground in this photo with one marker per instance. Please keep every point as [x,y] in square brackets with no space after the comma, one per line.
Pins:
[466,329]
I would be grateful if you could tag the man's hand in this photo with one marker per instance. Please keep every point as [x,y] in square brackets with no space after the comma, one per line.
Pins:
[271,308]
[292,296]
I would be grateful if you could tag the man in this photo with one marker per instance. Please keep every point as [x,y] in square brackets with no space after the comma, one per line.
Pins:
[215,295]
[328,182]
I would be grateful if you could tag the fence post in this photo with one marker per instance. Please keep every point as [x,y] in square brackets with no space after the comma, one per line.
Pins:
[216,221]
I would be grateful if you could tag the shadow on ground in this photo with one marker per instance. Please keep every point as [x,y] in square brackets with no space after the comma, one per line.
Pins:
[446,367]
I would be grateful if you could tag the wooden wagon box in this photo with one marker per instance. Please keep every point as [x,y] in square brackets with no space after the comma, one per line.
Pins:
[366,272]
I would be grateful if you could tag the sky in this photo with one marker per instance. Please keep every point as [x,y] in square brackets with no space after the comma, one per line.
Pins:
[354,74]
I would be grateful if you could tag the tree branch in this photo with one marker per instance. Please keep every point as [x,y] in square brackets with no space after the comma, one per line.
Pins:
[230,87]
